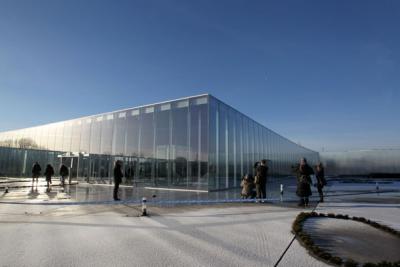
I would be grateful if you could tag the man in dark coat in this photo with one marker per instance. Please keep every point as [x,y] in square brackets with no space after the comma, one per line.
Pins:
[118,174]
[261,179]
[49,172]
[303,172]
[36,169]
[64,172]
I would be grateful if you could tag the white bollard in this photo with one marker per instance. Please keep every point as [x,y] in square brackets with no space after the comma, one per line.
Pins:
[144,206]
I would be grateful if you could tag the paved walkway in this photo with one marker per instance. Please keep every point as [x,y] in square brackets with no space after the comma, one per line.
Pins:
[213,235]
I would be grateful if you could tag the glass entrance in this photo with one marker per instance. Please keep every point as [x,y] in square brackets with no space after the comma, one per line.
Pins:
[71,161]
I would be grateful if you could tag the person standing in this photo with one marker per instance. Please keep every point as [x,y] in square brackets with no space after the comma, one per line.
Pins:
[49,172]
[261,180]
[247,187]
[303,172]
[64,172]
[36,169]
[321,181]
[256,166]
[118,174]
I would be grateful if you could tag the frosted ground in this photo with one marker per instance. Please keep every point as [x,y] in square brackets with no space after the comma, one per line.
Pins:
[207,235]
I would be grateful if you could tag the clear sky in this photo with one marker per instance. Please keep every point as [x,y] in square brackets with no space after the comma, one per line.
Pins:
[325,74]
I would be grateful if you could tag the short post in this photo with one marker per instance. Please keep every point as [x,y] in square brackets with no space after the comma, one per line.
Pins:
[144,206]
[6,190]
[281,192]
[377,186]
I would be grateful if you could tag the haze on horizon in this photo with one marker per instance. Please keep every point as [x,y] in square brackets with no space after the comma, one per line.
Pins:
[323,74]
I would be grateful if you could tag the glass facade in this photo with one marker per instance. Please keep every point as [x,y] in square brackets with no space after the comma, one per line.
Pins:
[197,142]
[236,142]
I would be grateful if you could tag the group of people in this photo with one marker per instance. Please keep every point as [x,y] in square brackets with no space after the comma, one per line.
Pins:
[303,172]
[255,187]
[252,187]
[258,182]
[64,172]
[49,173]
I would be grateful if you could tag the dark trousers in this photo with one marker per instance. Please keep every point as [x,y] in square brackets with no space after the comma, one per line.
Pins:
[303,201]
[261,190]
[321,194]
[35,176]
[48,180]
[116,187]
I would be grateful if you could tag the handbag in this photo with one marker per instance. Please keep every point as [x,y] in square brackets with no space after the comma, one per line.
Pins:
[304,179]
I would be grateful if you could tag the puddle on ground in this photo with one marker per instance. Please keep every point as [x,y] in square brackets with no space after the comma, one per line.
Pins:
[350,239]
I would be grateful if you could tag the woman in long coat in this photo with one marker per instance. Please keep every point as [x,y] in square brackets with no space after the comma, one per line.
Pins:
[303,172]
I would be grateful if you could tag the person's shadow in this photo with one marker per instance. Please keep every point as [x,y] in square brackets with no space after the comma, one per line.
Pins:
[50,194]
[33,193]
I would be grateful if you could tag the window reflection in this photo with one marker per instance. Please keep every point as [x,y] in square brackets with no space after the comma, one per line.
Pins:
[59,137]
[147,145]
[212,145]
[179,144]
[132,133]
[76,135]
[119,134]
[107,134]
[66,144]
[85,136]
[162,142]
[95,135]
[222,146]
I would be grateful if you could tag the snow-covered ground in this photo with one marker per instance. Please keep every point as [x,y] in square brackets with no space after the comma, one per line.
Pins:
[248,235]
[221,235]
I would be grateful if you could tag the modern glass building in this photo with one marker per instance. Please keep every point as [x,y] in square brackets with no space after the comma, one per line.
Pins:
[195,142]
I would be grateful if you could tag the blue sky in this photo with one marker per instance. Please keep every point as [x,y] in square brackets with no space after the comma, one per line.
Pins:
[325,74]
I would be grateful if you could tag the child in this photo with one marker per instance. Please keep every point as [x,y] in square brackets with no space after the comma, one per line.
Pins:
[247,187]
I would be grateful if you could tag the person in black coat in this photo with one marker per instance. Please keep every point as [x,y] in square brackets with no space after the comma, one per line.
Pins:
[36,169]
[321,182]
[64,172]
[49,172]
[261,179]
[118,174]
[303,172]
